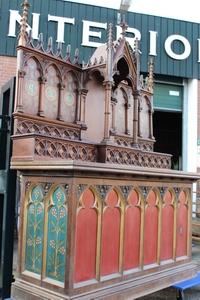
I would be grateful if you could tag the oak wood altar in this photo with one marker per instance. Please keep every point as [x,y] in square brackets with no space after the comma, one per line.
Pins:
[102,215]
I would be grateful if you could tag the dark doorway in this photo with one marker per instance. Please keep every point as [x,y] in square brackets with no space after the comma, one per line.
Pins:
[168,134]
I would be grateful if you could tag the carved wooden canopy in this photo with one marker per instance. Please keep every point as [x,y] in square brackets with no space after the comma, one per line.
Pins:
[96,112]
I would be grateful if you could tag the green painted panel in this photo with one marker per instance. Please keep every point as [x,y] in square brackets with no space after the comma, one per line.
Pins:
[57,231]
[168,97]
[34,231]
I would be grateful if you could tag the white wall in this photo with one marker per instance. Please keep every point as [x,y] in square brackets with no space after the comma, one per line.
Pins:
[190,101]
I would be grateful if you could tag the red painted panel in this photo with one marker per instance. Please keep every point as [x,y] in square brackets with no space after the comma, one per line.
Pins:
[151,230]
[167,228]
[132,233]
[110,236]
[86,239]
[182,224]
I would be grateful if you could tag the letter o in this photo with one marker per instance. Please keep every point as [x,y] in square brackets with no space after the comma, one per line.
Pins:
[182,39]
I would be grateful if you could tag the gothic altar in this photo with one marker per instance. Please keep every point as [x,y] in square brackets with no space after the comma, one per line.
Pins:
[102,215]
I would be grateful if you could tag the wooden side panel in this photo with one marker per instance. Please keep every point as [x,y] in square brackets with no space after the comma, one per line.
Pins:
[151,230]
[120,111]
[31,87]
[132,232]
[144,117]
[182,226]
[86,238]
[167,228]
[110,235]
[51,93]
[68,103]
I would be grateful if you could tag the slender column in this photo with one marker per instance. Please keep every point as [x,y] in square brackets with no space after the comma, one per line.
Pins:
[22,40]
[127,107]
[20,84]
[78,106]
[82,106]
[151,124]
[60,101]
[139,116]
[113,108]
[108,93]
[42,96]
[135,119]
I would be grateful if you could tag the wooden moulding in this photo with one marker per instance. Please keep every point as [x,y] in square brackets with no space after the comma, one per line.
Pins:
[127,290]
[32,146]
[80,176]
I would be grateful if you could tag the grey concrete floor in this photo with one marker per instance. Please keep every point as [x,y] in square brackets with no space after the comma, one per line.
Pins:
[171,293]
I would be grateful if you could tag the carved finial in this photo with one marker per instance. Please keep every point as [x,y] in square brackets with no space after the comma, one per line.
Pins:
[30,39]
[110,53]
[68,53]
[137,53]
[76,56]
[136,46]
[50,45]
[23,36]
[101,60]
[123,26]
[89,63]
[59,50]
[141,81]
[150,79]
[110,36]
[40,42]
[95,61]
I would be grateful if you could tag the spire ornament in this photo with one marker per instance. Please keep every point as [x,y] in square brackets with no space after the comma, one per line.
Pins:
[110,53]
[137,53]
[150,77]
[23,36]
[50,46]
[123,26]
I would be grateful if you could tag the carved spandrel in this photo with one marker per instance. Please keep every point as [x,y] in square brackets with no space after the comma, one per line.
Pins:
[126,190]
[103,190]
[145,190]
[177,191]
[79,189]
[162,190]
[66,188]
[27,185]
[46,187]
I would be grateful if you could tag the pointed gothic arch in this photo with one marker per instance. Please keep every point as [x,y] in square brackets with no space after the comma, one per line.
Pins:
[31,91]
[87,236]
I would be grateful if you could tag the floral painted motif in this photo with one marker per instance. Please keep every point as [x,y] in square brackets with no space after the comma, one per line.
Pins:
[56,243]
[34,232]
